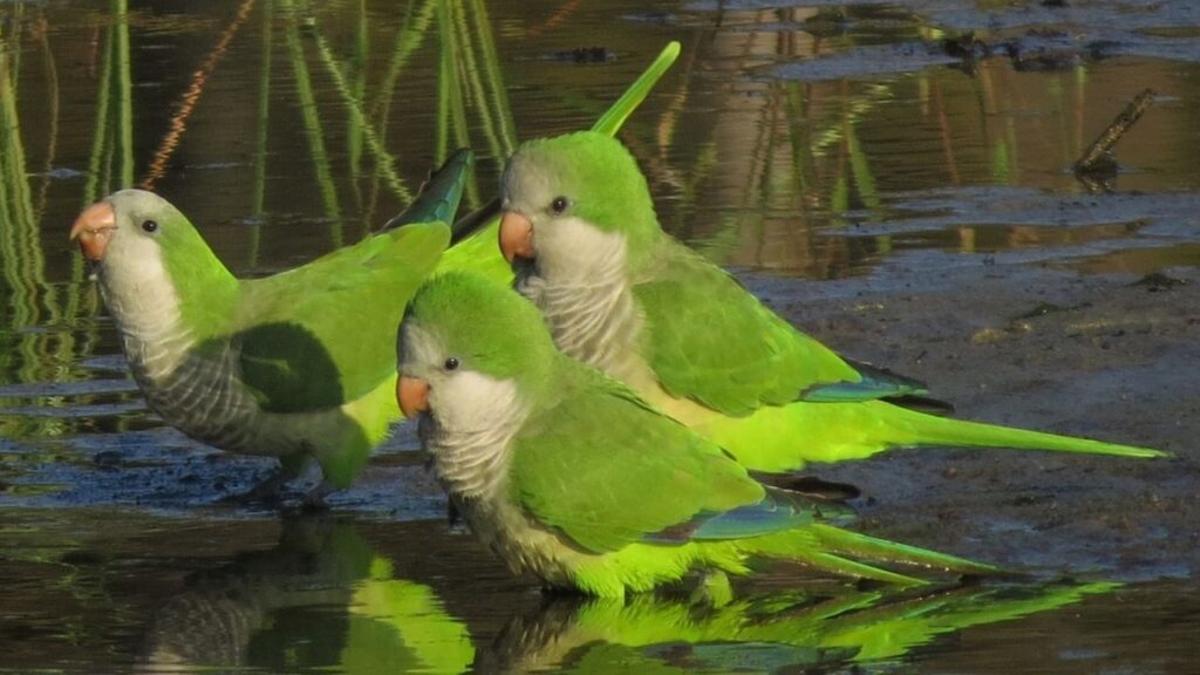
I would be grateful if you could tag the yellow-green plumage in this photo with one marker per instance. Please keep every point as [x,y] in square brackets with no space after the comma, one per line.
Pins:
[620,294]
[299,364]
[567,474]
[293,365]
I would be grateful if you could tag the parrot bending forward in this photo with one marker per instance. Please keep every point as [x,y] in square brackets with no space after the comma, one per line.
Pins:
[293,365]
[623,296]
[565,473]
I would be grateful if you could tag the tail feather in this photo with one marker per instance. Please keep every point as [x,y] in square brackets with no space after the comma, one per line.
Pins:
[859,545]
[439,197]
[918,429]
[849,568]
[842,552]
[783,439]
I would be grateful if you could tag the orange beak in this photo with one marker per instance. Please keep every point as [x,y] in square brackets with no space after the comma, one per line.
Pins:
[94,228]
[516,236]
[412,393]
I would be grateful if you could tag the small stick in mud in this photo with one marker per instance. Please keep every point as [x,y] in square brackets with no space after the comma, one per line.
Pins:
[1098,159]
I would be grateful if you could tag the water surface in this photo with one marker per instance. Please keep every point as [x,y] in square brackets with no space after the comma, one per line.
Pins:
[796,144]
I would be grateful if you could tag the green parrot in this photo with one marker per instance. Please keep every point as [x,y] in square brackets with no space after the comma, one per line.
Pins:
[623,296]
[565,473]
[296,365]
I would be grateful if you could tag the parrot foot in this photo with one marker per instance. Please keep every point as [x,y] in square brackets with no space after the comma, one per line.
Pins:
[314,500]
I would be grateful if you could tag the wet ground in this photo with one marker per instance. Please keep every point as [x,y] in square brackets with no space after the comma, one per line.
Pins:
[894,178]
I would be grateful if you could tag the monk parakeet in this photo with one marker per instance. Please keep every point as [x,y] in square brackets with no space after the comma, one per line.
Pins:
[621,295]
[565,473]
[293,365]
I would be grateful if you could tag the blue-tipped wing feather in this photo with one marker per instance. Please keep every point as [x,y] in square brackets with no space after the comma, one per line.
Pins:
[778,510]
[875,383]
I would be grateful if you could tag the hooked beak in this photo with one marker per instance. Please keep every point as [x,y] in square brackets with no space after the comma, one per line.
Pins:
[94,228]
[412,393]
[516,236]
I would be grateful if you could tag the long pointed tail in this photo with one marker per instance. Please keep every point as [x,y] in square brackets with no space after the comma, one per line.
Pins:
[780,439]
[845,542]
[842,552]
[919,429]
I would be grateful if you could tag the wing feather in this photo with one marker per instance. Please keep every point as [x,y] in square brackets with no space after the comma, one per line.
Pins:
[708,339]
[606,470]
[324,334]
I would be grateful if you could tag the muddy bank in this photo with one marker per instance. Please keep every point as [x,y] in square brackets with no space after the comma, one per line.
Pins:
[1110,356]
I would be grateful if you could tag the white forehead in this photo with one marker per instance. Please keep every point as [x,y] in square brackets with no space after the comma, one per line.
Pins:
[133,272]
[419,349]
[462,400]
[128,202]
[526,185]
[130,252]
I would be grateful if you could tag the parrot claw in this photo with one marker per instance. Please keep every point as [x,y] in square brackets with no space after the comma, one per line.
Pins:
[314,500]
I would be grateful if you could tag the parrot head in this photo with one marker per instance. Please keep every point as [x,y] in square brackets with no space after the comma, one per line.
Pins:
[467,347]
[140,244]
[572,202]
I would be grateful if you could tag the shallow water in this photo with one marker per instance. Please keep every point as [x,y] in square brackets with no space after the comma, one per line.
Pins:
[137,591]
[825,141]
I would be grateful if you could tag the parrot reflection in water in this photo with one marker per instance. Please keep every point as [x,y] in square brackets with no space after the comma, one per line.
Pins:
[321,598]
[762,631]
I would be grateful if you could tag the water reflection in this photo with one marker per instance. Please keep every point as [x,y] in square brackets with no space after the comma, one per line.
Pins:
[764,631]
[810,137]
[325,599]
[108,590]
[322,599]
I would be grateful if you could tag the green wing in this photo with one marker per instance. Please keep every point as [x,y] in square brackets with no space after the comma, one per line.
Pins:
[325,333]
[607,470]
[707,338]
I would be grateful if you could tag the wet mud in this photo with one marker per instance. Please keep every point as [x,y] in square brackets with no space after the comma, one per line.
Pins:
[1106,356]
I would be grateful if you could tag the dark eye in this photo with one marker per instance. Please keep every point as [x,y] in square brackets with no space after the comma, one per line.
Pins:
[149,225]
[559,204]
[451,363]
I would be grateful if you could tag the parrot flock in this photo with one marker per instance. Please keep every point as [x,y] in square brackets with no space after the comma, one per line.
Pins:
[596,398]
